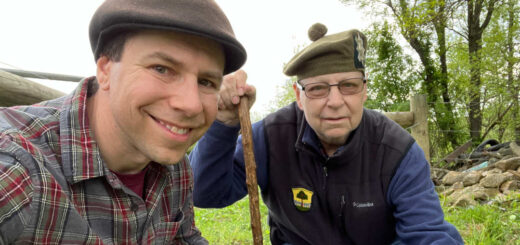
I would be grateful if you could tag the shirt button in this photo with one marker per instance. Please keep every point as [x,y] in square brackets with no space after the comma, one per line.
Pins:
[134,207]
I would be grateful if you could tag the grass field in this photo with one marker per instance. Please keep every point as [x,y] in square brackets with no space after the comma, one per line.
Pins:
[496,223]
[230,225]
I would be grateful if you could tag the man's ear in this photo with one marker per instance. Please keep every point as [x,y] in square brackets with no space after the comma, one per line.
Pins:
[365,96]
[297,92]
[104,65]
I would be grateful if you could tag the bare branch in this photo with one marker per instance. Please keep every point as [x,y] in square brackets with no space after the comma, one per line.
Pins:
[497,120]
[491,8]
[464,35]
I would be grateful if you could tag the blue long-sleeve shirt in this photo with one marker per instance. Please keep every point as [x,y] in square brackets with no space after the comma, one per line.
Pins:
[219,173]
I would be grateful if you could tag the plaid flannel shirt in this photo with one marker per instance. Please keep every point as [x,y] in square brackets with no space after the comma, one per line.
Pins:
[56,189]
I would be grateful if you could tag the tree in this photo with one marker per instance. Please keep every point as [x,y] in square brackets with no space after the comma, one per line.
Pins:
[415,20]
[392,74]
[474,36]
[302,196]
[469,51]
[513,32]
[500,62]
[284,95]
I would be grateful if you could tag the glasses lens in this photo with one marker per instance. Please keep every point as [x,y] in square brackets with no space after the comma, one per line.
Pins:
[346,87]
[351,86]
[316,90]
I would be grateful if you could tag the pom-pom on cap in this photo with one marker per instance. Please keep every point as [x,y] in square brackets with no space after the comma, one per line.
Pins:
[339,52]
[317,31]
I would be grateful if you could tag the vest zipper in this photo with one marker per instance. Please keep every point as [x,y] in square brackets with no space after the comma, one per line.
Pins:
[341,218]
[325,174]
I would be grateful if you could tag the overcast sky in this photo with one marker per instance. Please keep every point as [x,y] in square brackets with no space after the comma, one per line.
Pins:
[52,36]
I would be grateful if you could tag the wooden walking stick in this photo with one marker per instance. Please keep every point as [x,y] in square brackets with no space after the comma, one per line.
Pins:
[251,182]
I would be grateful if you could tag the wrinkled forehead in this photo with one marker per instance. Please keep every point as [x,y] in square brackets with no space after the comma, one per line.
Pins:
[332,78]
[178,43]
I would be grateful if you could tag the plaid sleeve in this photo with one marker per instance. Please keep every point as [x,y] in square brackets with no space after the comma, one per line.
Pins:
[16,192]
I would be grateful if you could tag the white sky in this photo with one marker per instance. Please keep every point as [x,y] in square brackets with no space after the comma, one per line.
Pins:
[52,36]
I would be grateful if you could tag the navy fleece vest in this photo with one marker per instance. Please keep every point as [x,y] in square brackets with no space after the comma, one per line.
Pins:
[341,199]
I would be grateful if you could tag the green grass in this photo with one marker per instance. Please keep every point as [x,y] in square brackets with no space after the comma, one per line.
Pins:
[230,225]
[497,223]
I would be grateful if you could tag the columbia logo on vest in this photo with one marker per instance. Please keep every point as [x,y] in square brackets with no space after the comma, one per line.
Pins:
[363,204]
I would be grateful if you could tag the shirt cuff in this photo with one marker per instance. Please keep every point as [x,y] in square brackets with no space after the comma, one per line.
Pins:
[222,131]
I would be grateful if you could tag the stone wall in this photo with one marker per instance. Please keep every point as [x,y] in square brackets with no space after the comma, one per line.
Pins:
[495,174]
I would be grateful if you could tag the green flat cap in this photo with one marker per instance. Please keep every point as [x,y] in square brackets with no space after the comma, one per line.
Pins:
[197,17]
[340,52]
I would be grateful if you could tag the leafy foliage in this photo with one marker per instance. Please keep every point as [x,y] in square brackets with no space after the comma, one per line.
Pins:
[472,81]
[284,95]
[392,73]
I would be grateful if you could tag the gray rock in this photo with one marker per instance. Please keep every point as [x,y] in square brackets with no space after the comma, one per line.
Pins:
[484,194]
[516,174]
[456,194]
[492,160]
[507,164]
[493,180]
[472,195]
[452,177]
[436,174]
[492,171]
[465,201]
[515,148]
[447,191]
[499,176]
[472,178]
[510,185]
[504,151]
[509,176]
[440,189]
[458,186]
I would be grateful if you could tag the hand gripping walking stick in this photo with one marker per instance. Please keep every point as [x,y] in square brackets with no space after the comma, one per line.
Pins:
[251,182]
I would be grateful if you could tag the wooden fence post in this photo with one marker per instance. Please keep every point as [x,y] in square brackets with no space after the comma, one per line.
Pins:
[16,90]
[419,108]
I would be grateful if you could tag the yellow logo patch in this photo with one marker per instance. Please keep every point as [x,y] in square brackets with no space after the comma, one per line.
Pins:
[302,198]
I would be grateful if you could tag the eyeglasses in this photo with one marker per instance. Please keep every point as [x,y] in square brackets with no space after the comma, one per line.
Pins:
[320,90]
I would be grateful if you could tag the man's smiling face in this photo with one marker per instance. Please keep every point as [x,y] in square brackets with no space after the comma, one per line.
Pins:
[333,117]
[163,93]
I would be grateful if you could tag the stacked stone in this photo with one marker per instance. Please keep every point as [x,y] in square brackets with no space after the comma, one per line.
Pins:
[471,187]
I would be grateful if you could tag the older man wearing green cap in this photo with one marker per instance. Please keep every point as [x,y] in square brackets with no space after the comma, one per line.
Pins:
[107,164]
[330,171]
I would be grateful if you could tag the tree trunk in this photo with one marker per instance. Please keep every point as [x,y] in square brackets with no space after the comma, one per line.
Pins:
[513,88]
[448,121]
[475,113]
[475,31]
[435,86]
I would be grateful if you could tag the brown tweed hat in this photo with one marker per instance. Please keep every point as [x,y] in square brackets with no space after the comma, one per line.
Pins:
[198,17]
[340,52]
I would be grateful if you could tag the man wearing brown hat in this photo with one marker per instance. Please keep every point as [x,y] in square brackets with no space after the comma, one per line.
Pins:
[330,171]
[107,164]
